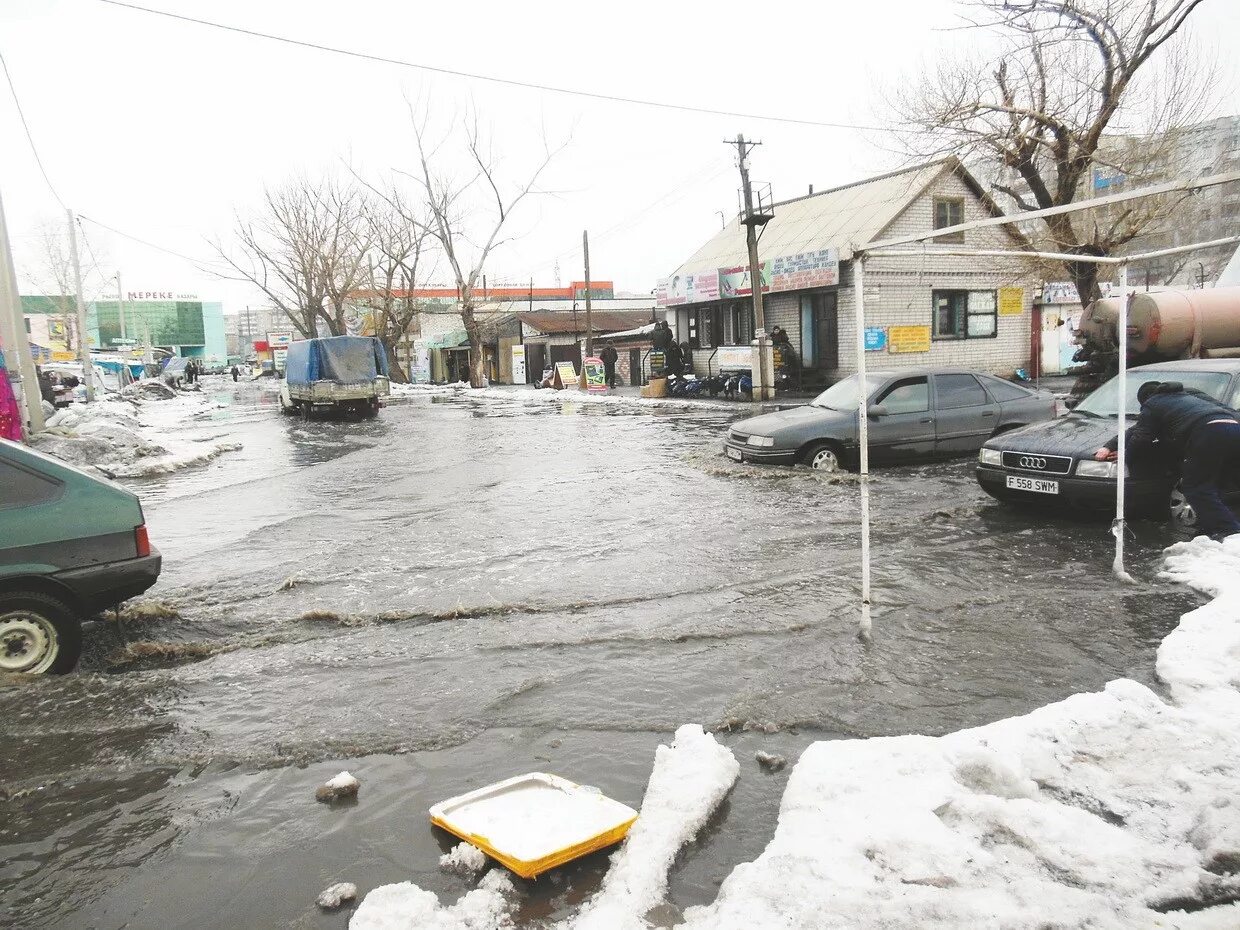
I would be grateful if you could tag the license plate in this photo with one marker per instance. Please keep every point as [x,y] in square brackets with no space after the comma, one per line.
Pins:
[1037,485]
[734,454]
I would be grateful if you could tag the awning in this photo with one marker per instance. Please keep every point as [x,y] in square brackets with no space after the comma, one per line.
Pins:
[449,340]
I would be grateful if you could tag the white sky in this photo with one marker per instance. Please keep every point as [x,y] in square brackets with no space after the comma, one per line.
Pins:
[163,129]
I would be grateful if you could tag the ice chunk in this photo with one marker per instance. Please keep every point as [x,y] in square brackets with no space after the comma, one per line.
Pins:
[770,761]
[343,785]
[405,906]
[335,895]
[465,858]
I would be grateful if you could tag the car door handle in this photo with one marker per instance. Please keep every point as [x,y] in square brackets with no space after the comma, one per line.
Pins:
[927,420]
[988,413]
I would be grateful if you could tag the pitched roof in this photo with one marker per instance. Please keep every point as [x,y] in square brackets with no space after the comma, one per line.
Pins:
[839,218]
[603,321]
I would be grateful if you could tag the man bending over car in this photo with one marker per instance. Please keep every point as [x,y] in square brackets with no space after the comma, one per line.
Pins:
[1203,432]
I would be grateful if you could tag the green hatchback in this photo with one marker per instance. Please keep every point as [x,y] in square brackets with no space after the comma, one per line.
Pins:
[71,545]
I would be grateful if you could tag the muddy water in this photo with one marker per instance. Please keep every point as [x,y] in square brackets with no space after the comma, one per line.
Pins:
[466,589]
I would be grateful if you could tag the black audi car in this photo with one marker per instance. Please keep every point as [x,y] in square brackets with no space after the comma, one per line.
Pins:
[1053,463]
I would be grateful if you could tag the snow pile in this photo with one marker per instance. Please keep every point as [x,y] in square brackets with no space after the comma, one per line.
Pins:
[526,394]
[465,858]
[405,906]
[689,781]
[128,438]
[1106,810]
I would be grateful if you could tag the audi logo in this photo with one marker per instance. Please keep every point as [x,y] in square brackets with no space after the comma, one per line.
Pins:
[1032,461]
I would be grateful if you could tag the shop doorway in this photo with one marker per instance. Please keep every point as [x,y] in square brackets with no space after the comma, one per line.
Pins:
[568,353]
[820,336]
[635,367]
[535,361]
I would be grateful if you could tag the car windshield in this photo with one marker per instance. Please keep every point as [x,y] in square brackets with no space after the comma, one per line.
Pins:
[1104,402]
[843,394]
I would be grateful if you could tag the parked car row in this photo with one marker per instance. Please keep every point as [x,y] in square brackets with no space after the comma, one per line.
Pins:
[1026,453]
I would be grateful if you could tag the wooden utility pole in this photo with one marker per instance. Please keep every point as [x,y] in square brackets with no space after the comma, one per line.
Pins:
[585,248]
[120,305]
[88,375]
[763,368]
[13,335]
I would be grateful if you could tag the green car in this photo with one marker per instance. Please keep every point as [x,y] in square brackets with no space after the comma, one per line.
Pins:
[71,545]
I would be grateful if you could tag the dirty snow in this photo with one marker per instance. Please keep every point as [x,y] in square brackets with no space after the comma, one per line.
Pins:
[465,858]
[1108,810]
[140,434]
[527,394]
[690,779]
[335,895]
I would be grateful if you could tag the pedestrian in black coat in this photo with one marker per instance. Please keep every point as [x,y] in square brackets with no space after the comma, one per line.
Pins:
[1203,432]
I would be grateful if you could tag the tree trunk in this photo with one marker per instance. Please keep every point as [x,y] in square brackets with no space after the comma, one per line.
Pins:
[474,331]
[397,373]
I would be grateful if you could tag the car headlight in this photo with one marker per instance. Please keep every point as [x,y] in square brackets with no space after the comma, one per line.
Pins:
[1092,468]
[761,440]
[990,457]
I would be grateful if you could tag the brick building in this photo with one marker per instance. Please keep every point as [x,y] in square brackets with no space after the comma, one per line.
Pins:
[928,309]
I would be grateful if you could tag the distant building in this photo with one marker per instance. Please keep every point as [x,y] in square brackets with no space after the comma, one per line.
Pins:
[183,325]
[928,309]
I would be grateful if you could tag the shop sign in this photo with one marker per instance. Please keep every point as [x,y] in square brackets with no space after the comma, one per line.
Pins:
[875,338]
[734,282]
[1064,292]
[908,339]
[280,358]
[732,357]
[518,364]
[596,375]
[687,289]
[280,337]
[565,374]
[1011,301]
[805,270]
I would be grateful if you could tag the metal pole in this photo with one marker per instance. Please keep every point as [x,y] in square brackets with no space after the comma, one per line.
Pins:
[1117,528]
[585,247]
[83,336]
[120,304]
[863,443]
[14,334]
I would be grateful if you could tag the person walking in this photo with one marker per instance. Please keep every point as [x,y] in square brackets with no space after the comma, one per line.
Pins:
[236,373]
[1204,433]
[609,357]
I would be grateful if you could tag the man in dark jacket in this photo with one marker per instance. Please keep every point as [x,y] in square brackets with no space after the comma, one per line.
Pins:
[609,356]
[1203,432]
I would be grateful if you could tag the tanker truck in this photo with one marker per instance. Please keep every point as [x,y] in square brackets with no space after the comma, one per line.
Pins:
[1163,325]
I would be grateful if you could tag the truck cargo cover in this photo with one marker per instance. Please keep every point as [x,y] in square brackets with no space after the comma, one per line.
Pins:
[344,359]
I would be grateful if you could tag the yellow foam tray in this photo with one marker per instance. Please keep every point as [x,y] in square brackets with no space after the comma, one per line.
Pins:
[535,822]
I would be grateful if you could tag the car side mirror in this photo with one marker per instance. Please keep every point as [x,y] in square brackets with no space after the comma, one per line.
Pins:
[876,410]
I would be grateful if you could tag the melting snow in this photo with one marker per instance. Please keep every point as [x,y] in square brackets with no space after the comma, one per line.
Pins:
[465,858]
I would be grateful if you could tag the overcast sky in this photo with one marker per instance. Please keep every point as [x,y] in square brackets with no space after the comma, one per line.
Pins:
[164,129]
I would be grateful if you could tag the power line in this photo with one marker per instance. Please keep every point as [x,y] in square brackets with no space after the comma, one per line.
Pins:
[528,85]
[201,265]
[26,126]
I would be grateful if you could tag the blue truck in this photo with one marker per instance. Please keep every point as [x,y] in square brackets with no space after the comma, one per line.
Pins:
[345,374]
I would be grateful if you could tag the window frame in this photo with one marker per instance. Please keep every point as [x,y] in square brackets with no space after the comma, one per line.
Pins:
[881,397]
[949,203]
[55,487]
[940,378]
[962,332]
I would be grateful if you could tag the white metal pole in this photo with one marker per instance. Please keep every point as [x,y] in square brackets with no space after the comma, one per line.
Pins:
[17,357]
[83,337]
[1117,528]
[863,443]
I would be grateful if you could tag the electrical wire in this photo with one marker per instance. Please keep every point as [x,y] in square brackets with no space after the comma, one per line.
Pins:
[527,85]
[201,265]
[29,137]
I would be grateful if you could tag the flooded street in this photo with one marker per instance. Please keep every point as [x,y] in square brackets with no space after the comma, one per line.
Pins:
[466,589]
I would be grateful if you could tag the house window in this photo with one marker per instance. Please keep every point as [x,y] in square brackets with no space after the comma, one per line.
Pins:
[948,211]
[964,314]
[693,329]
[709,327]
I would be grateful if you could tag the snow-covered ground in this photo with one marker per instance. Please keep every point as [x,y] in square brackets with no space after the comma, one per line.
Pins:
[527,394]
[148,430]
[1115,809]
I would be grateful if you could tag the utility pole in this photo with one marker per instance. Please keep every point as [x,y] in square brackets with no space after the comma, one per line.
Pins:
[13,334]
[83,338]
[585,248]
[763,369]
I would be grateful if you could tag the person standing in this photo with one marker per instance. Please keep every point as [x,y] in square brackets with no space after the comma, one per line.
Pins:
[609,357]
[1204,433]
[236,373]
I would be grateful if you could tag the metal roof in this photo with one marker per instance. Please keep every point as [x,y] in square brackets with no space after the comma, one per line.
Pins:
[832,219]
[602,321]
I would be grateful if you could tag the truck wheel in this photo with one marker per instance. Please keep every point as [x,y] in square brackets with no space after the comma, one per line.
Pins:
[38,634]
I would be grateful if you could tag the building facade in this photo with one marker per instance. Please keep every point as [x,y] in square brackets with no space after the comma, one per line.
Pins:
[924,309]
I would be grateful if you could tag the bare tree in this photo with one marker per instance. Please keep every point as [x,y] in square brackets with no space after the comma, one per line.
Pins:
[306,251]
[467,217]
[398,246]
[1076,87]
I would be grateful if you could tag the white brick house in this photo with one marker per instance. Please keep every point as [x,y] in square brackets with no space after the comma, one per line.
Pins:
[945,309]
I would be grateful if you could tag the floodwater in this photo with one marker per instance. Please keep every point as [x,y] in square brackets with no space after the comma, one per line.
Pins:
[470,588]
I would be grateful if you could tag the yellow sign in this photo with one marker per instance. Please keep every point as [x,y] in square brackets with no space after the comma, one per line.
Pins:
[1011,301]
[908,338]
[58,356]
[565,375]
